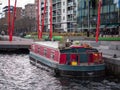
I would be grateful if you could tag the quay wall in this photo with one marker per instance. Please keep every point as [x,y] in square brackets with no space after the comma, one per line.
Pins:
[111,54]
[16,43]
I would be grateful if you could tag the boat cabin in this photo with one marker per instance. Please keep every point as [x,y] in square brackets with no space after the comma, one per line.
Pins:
[73,55]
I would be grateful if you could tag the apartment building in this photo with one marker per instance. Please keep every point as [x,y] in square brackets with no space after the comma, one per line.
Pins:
[87,16]
[64,15]
[30,11]
[4,19]
[19,11]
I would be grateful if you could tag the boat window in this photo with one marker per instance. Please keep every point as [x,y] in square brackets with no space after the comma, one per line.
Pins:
[80,50]
[45,51]
[73,50]
[33,47]
[38,49]
[52,55]
[91,50]
[66,51]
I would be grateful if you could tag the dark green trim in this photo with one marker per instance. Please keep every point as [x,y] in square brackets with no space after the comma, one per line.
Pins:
[82,68]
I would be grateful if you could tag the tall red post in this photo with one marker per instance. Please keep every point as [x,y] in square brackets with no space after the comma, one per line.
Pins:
[98,20]
[43,16]
[13,21]
[38,19]
[9,24]
[51,28]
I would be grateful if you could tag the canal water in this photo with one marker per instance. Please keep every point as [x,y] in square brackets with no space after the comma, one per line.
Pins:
[16,73]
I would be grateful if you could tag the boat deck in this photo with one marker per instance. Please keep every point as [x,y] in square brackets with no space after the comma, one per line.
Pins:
[52,44]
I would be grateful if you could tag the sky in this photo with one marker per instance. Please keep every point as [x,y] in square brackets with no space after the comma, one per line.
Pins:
[20,3]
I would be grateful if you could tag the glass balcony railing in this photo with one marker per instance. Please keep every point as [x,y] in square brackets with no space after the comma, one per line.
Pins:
[54,15]
[69,19]
[59,20]
[70,12]
[71,4]
[54,21]
[58,0]
[54,8]
[53,1]
[59,6]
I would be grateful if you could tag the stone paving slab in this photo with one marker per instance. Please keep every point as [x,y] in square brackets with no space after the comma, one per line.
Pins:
[111,52]
[113,47]
[16,43]
[15,38]
[112,60]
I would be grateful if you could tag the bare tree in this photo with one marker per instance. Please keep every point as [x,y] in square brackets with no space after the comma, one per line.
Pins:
[25,25]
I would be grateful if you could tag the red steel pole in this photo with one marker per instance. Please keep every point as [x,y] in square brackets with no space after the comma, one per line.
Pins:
[13,21]
[43,17]
[9,29]
[51,20]
[38,19]
[98,21]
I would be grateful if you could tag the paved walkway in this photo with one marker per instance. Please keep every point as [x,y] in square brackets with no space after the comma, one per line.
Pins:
[15,38]
[16,43]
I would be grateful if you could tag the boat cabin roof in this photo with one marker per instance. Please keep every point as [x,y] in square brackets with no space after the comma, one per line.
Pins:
[52,44]
[62,46]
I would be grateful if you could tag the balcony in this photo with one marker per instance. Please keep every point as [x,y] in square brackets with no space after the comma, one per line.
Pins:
[59,20]
[58,12]
[71,4]
[46,21]
[53,1]
[42,5]
[54,21]
[69,19]
[54,7]
[58,5]
[54,14]
[70,12]
[58,1]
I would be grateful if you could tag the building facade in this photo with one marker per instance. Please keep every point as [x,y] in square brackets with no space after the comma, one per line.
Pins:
[19,15]
[87,14]
[30,11]
[64,15]
[4,19]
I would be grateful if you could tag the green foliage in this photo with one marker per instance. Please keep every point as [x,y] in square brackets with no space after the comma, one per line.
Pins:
[109,38]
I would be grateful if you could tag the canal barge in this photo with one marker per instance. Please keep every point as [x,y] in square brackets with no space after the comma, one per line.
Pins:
[69,59]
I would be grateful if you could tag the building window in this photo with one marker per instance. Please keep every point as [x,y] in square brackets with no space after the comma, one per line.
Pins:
[38,49]
[63,3]
[63,17]
[63,10]
[33,47]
